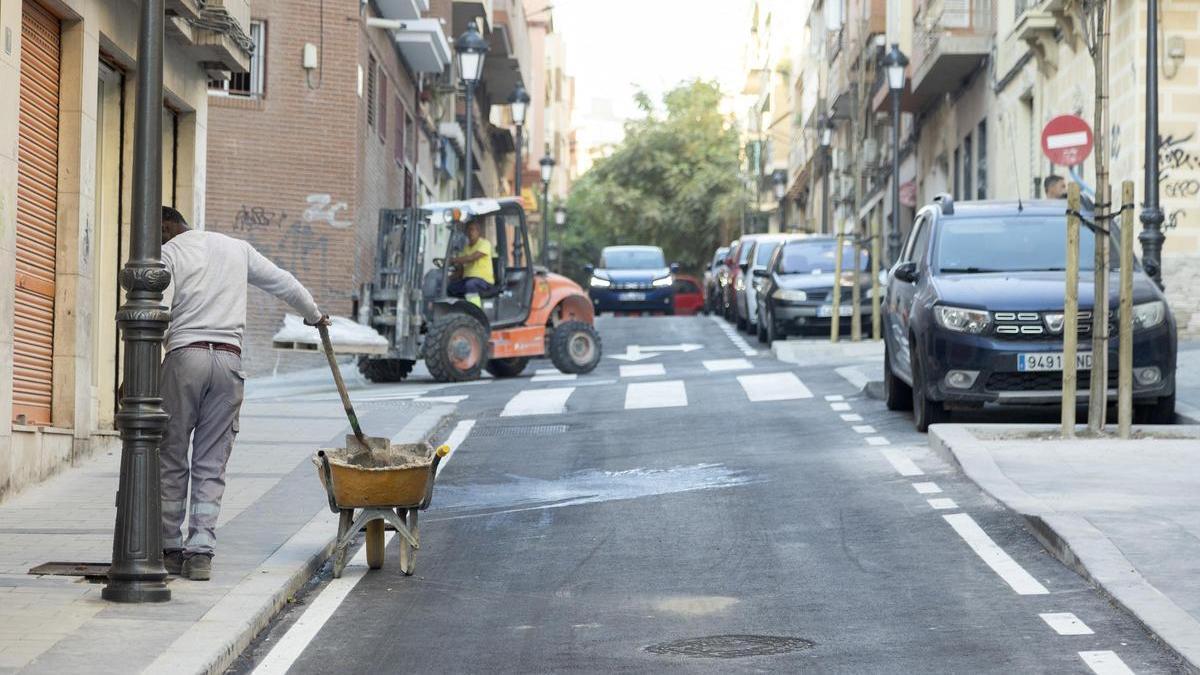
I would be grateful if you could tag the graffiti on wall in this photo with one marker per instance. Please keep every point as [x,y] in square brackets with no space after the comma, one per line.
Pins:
[1175,164]
[321,209]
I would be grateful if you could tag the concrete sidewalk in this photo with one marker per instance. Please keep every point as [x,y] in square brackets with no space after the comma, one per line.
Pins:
[275,531]
[1123,514]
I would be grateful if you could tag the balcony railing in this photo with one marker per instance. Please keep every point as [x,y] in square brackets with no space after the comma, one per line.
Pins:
[950,37]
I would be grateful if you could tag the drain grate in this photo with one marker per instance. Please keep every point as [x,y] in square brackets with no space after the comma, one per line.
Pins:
[534,430]
[731,646]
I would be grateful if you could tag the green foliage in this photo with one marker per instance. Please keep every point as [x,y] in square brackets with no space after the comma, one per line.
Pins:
[670,183]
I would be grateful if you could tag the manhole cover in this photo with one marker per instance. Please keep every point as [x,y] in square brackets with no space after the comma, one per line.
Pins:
[533,430]
[731,646]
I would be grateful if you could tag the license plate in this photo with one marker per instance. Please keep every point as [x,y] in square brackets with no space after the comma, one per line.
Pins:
[631,296]
[826,311]
[1051,361]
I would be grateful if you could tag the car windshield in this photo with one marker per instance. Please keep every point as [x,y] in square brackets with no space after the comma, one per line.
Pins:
[744,253]
[817,257]
[634,259]
[762,254]
[968,245]
[720,256]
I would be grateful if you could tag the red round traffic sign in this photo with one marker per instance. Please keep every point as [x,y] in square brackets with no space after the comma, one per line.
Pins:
[1067,140]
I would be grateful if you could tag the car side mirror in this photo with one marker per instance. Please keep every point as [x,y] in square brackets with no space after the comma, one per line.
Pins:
[762,272]
[589,269]
[745,266]
[674,268]
[906,272]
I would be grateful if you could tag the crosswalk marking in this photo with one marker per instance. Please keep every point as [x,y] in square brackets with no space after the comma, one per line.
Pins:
[666,394]
[720,365]
[538,402]
[552,375]
[774,387]
[643,370]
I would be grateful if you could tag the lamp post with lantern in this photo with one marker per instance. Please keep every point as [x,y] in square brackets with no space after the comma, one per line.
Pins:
[825,136]
[471,49]
[779,183]
[894,62]
[518,102]
[1152,217]
[560,221]
[547,167]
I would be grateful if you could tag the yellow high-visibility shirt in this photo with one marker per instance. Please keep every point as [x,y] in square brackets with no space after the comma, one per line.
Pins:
[481,268]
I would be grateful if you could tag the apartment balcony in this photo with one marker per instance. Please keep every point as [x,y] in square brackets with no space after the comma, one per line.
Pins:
[509,60]
[466,11]
[951,38]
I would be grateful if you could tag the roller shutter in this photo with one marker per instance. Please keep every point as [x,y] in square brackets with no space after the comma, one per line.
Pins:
[37,211]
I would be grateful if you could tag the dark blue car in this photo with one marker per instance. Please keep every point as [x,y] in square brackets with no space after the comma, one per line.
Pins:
[632,279]
[974,314]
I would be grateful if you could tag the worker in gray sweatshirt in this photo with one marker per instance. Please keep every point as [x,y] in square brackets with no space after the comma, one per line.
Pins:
[202,377]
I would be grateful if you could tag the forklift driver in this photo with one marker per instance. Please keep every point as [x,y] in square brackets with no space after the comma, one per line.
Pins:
[476,262]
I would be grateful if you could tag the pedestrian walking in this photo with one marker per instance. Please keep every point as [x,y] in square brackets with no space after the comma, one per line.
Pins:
[202,379]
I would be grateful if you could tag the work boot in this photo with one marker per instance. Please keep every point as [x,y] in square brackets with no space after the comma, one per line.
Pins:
[198,567]
[173,561]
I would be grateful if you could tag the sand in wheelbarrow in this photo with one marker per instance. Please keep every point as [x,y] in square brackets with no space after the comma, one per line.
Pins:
[395,456]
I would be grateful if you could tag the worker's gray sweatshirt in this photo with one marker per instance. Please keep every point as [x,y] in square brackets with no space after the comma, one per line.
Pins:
[209,277]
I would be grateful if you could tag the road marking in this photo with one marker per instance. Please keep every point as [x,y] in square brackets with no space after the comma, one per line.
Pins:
[877,440]
[835,397]
[927,488]
[1105,663]
[995,557]
[839,406]
[1066,623]
[851,417]
[863,429]
[285,652]
[538,402]
[857,378]
[901,463]
[731,332]
[455,439]
[643,370]
[666,394]
[441,399]
[942,503]
[552,375]
[774,387]
[719,365]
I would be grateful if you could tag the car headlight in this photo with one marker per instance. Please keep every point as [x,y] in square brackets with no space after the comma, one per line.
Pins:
[1149,314]
[740,284]
[787,295]
[661,283]
[961,320]
[600,282]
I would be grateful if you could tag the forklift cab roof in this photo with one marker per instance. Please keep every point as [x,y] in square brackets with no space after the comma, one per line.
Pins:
[469,208]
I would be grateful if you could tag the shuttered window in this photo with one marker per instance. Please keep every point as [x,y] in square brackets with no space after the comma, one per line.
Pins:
[37,205]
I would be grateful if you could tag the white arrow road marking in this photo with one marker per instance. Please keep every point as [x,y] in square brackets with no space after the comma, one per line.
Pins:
[632,353]
[684,347]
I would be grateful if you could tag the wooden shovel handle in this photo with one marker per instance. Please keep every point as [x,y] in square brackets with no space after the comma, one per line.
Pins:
[341,385]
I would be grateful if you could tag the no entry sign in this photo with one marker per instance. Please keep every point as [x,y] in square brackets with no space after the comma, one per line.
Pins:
[1067,140]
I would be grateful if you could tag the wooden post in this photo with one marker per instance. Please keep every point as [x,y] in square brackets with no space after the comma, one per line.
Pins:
[835,323]
[856,294]
[1125,344]
[1070,330]
[1098,401]
[876,238]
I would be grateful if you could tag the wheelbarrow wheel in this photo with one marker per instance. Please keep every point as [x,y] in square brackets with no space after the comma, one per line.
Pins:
[375,544]
[408,553]
[340,552]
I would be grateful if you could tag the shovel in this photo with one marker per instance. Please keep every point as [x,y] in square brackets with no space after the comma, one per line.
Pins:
[357,442]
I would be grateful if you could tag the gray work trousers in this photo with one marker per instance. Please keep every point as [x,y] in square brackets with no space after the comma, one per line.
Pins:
[202,392]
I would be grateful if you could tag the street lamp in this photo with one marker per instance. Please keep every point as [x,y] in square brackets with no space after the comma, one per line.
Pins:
[518,103]
[1151,236]
[894,62]
[471,49]
[825,136]
[547,167]
[137,573]
[560,219]
[779,179]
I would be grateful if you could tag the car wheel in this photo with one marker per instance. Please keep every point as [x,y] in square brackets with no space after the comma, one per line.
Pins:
[925,410]
[899,396]
[1159,412]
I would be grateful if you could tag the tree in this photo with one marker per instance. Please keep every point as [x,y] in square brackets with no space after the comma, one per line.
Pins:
[671,182]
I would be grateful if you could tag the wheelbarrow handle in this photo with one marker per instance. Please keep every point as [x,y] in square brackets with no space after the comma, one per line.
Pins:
[341,384]
[442,451]
[328,473]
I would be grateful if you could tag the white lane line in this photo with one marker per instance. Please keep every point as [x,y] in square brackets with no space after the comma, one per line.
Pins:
[552,375]
[297,638]
[863,429]
[927,488]
[666,394]
[774,387]
[877,440]
[731,333]
[538,402]
[839,407]
[1008,569]
[1105,663]
[852,374]
[851,417]
[720,365]
[901,463]
[441,399]
[455,439]
[1066,623]
[643,370]
[835,397]
[942,503]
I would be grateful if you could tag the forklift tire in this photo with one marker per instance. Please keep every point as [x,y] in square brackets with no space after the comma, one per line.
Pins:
[507,367]
[456,348]
[384,370]
[574,347]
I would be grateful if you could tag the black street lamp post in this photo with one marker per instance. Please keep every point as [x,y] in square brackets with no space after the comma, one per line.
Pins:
[137,573]
[518,103]
[471,49]
[779,182]
[825,136]
[895,62]
[547,167]
[1151,236]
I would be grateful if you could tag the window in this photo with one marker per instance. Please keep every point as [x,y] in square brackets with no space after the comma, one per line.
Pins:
[920,252]
[371,90]
[401,134]
[981,161]
[252,83]
[383,97]
[968,245]
[968,171]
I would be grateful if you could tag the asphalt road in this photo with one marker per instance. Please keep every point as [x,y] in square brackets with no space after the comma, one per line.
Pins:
[592,538]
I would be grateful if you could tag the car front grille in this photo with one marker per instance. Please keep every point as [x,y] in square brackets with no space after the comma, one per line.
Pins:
[1032,326]
[1047,381]
[631,287]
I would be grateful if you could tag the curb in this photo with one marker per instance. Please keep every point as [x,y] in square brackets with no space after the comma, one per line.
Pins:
[1076,543]
[209,646]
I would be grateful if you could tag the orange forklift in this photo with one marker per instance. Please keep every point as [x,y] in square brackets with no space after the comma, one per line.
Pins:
[527,313]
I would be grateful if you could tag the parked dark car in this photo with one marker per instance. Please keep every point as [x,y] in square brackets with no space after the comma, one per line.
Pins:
[796,295]
[712,280]
[632,279]
[974,314]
